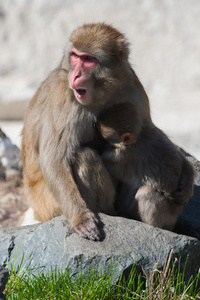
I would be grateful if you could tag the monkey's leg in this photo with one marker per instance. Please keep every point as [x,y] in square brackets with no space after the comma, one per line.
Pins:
[80,218]
[96,189]
[155,209]
[40,197]
[51,189]
[125,195]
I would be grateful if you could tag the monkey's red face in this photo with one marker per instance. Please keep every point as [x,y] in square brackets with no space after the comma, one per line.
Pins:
[81,76]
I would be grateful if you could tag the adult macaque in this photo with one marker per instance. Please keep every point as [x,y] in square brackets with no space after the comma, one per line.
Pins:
[94,74]
[154,179]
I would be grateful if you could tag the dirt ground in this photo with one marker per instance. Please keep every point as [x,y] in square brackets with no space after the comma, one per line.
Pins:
[12,202]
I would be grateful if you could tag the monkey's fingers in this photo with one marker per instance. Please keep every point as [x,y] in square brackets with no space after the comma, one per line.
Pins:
[89,228]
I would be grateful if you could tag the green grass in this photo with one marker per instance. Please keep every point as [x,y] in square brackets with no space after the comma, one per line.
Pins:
[169,283]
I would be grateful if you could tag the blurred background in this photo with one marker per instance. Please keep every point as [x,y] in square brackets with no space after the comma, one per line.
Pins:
[165,53]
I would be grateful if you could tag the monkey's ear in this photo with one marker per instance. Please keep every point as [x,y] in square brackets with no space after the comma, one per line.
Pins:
[123,49]
[127,138]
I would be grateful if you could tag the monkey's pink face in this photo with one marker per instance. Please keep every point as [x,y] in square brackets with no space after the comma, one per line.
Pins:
[81,76]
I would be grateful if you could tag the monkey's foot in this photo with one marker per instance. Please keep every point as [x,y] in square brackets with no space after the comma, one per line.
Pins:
[89,227]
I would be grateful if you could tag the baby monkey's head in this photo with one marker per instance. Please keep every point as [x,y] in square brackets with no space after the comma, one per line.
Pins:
[120,124]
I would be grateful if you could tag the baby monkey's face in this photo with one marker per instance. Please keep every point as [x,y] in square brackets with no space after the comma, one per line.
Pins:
[109,134]
[120,125]
[116,139]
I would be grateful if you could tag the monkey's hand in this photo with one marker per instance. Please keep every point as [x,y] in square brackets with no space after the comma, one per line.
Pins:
[88,226]
[182,197]
[185,189]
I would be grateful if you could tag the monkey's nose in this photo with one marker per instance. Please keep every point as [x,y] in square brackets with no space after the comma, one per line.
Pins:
[78,75]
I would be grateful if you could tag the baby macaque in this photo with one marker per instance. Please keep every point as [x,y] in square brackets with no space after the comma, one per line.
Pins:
[153,179]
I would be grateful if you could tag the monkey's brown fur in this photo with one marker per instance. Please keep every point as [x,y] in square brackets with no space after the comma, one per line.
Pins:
[60,121]
[155,180]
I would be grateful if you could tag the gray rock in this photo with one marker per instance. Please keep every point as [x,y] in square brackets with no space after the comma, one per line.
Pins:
[4,274]
[2,297]
[189,221]
[10,158]
[52,245]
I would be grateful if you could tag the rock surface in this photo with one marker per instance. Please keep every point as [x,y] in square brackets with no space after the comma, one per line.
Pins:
[4,274]
[51,245]
[189,221]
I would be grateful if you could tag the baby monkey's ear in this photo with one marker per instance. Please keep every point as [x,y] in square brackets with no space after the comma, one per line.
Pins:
[127,138]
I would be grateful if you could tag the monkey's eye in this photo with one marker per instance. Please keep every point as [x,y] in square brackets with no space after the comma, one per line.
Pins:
[89,61]
[89,58]
[74,55]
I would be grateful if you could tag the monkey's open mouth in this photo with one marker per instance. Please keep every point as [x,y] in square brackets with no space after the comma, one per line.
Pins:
[81,92]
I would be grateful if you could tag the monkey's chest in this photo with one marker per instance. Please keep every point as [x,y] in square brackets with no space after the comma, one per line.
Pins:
[89,137]
[83,130]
